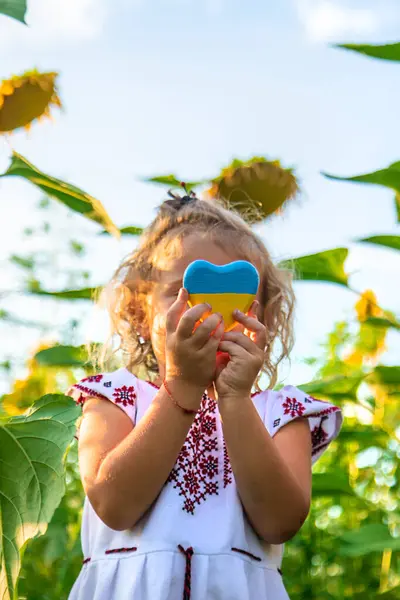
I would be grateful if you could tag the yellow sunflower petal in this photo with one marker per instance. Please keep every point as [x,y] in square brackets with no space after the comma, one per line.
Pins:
[368,306]
[7,88]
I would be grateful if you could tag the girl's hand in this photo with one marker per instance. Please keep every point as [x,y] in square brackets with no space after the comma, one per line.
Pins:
[244,357]
[191,348]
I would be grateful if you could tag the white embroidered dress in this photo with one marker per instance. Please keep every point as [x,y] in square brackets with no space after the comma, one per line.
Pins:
[195,542]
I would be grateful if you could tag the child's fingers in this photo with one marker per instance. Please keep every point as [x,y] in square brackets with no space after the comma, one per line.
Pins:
[215,338]
[223,359]
[176,311]
[188,321]
[231,348]
[206,329]
[241,339]
[253,310]
[253,325]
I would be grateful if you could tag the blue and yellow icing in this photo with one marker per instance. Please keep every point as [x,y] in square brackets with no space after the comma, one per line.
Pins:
[225,287]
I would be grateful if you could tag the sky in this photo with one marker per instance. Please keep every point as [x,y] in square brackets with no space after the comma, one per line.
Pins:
[159,86]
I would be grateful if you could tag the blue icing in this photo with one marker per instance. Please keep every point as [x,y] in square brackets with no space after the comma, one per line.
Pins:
[239,277]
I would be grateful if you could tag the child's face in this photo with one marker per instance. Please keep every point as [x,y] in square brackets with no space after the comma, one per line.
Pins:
[169,282]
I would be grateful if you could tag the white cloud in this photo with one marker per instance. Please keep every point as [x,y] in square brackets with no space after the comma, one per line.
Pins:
[73,18]
[325,20]
[59,21]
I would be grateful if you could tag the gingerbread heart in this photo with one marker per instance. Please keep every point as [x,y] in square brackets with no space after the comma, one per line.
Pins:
[224,287]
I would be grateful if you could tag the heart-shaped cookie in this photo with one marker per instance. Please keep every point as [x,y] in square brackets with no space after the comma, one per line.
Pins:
[225,287]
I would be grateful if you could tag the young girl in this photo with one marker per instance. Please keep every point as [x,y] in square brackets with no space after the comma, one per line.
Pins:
[193,483]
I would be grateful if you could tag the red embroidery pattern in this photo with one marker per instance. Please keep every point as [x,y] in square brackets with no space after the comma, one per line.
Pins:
[227,467]
[87,392]
[117,550]
[319,449]
[326,411]
[293,407]
[318,435]
[196,471]
[93,378]
[125,395]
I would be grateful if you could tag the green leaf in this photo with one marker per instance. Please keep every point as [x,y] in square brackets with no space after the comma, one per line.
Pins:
[330,484]
[365,435]
[32,448]
[82,294]
[129,230]
[389,178]
[384,52]
[172,181]
[393,594]
[62,356]
[335,388]
[26,262]
[323,266]
[374,537]
[385,375]
[73,197]
[19,322]
[389,241]
[382,322]
[14,8]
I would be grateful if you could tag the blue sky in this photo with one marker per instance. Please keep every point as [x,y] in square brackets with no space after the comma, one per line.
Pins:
[159,86]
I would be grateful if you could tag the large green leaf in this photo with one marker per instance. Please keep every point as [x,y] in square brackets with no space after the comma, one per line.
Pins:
[73,197]
[382,51]
[14,8]
[385,375]
[63,356]
[82,294]
[171,181]
[335,388]
[323,266]
[330,484]
[389,178]
[374,537]
[32,448]
[389,241]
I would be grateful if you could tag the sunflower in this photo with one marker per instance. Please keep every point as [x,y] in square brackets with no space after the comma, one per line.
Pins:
[27,97]
[367,306]
[371,338]
[39,381]
[256,188]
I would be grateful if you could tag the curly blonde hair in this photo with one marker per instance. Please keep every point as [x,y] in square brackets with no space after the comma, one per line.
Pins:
[125,295]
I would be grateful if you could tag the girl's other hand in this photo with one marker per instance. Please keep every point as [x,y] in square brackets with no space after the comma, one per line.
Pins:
[242,358]
[191,348]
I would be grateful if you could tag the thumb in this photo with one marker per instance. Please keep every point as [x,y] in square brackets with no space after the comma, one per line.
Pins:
[176,311]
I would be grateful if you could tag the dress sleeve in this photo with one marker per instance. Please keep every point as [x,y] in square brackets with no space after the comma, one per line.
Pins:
[290,403]
[119,388]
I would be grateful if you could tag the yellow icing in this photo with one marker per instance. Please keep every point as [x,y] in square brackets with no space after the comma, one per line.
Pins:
[224,304]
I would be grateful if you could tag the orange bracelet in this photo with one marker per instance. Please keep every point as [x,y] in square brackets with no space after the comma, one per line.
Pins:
[187,411]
